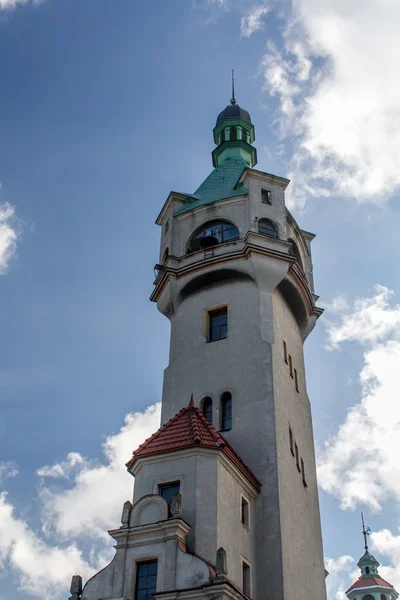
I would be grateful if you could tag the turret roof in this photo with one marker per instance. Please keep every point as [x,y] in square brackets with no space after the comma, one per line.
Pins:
[221,183]
[369,582]
[187,429]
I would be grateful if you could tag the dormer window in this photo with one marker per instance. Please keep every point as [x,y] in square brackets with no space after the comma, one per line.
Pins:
[212,234]
[268,228]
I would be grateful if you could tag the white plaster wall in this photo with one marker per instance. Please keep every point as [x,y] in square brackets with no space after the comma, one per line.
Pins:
[300,518]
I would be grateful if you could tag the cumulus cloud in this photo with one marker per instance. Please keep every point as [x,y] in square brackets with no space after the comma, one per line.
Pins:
[8,469]
[8,235]
[74,515]
[341,575]
[359,462]
[339,101]
[253,20]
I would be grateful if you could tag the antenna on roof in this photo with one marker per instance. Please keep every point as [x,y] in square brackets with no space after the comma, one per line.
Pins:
[233,101]
[365,532]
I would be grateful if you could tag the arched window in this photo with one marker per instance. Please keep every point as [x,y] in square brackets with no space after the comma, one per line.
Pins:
[367,570]
[244,135]
[213,233]
[226,411]
[233,135]
[166,254]
[268,228]
[206,408]
[294,251]
[383,597]
[368,597]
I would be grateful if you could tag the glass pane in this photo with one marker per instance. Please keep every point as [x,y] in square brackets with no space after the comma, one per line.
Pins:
[153,566]
[143,569]
[141,594]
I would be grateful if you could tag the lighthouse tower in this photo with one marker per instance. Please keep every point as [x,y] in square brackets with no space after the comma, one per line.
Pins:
[225,500]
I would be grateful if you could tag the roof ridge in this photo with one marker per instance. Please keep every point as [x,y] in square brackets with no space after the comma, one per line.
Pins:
[157,433]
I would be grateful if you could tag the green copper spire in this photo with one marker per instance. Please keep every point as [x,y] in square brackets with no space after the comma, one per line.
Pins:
[367,563]
[234,134]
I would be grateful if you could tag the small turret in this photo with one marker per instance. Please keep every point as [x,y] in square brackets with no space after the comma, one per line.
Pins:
[234,134]
[370,585]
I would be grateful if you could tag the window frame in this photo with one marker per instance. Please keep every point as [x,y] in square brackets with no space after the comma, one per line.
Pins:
[245,518]
[268,194]
[285,352]
[274,228]
[138,564]
[297,455]
[303,472]
[296,380]
[246,568]
[291,440]
[209,314]
[167,484]
[202,403]
[221,226]
[221,405]
[290,366]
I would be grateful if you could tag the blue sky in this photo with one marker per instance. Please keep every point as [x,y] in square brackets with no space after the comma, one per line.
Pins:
[106,106]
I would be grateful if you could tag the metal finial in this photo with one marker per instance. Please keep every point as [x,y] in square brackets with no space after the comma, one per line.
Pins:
[365,531]
[233,100]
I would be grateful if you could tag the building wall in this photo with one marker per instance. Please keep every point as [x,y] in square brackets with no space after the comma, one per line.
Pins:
[299,508]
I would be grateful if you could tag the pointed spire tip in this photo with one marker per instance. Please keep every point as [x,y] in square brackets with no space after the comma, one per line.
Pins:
[191,403]
[233,99]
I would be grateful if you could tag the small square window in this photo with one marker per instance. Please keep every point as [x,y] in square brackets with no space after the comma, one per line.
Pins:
[266,196]
[245,512]
[285,355]
[296,381]
[168,490]
[166,227]
[218,325]
[290,366]
[246,584]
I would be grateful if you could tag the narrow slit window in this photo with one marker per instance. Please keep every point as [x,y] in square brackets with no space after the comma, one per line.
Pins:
[226,411]
[296,381]
[303,473]
[290,366]
[296,450]
[246,579]
[291,441]
[146,580]
[245,512]
[218,325]
[285,355]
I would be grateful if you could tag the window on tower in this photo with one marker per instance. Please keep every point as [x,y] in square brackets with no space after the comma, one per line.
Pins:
[218,324]
[213,233]
[296,451]
[290,366]
[303,473]
[268,228]
[207,408]
[146,580]
[296,381]
[291,442]
[285,354]
[168,490]
[246,583]
[226,411]
[245,512]
[266,196]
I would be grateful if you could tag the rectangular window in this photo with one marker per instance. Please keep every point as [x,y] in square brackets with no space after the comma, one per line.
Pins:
[218,325]
[291,441]
[245,512]
[296,449]
[168,490]
[266,196]
[303,473]
[290,366]
[146,580]
[285,352]
[296,381]
[246,579]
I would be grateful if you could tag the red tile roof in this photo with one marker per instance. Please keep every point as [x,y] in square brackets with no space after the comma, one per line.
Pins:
[187,429]
[369,582]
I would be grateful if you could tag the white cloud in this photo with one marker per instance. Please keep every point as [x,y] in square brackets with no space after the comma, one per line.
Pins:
[359,462]
[8,469]
[8,235]
[341,576]
[92,503]
[253,20]
[339,97]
